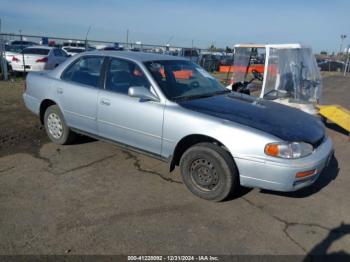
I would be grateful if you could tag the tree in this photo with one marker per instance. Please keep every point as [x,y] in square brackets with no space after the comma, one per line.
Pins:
[228,50]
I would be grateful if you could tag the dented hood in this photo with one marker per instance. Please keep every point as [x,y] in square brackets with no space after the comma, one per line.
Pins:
[286,123]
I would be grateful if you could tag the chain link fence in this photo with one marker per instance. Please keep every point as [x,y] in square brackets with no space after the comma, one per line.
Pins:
[21,41]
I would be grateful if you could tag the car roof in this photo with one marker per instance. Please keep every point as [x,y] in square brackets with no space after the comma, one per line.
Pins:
[136,56]
[39,47]
[76,47]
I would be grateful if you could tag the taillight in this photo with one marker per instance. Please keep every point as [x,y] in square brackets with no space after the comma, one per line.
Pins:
[42,60]
[15,59]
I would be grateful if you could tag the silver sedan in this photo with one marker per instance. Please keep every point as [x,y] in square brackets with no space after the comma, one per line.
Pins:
[172,109]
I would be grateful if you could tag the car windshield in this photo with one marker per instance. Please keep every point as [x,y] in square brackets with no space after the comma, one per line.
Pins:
[36,51]
[14,48]
[74,50]
[293,73]
[180,79]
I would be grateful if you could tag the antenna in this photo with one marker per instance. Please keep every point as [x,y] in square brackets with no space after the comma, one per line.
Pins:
[88,31]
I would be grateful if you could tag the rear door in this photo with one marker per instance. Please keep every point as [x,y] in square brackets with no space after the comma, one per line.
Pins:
[77,92]
[126,119]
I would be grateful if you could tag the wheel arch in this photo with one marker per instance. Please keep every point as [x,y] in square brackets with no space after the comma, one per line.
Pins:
[188,141]
[46,103]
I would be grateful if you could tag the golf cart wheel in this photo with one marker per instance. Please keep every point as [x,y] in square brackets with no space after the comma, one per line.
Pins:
[209,172]
[56,128]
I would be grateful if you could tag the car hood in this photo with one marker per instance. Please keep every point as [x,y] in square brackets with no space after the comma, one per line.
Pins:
[286,123]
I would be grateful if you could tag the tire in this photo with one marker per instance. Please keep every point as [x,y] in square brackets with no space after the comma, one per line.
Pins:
[56,128]
[209,172]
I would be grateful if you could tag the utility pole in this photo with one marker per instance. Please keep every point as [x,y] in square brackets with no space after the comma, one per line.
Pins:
[342,38]
[3,61]
[127,37]
[191,50]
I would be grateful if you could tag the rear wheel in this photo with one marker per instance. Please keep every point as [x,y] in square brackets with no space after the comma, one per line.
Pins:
[209,172]
[56,128]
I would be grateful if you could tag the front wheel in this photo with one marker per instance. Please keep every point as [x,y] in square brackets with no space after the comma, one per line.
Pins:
[56,128]
[209,172]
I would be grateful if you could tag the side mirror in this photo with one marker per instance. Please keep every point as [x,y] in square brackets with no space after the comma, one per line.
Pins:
[142,92]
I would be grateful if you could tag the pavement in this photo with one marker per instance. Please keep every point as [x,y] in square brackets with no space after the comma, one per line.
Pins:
[95,198]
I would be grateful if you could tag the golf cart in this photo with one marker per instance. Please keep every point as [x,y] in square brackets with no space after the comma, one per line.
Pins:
[284,73]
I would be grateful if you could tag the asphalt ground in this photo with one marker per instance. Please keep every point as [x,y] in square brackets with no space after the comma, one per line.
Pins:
[95,198]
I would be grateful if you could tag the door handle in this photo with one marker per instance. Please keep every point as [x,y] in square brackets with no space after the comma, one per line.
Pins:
[59,90]
[105,102]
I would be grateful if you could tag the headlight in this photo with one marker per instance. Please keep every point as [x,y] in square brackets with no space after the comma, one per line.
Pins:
[289,150]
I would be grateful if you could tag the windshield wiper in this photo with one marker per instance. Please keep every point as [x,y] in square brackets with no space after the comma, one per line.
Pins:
[190,97]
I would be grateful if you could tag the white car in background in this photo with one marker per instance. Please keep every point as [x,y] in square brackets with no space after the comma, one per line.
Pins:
[71,50]
[38,58]
[12,50]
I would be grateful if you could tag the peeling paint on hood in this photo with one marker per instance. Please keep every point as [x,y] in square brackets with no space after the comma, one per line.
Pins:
[286,123]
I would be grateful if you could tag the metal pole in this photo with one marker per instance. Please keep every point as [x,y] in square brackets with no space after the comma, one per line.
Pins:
[3,61]
[86,37]
[342,38]
[24,63]
[191,50]
[347,62]
[127,38]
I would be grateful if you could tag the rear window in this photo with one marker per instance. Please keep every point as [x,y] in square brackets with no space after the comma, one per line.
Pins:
[14,48]
[74,50]
[23,43]
[35,51]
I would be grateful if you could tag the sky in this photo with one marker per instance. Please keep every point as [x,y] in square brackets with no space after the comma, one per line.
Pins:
[205,22]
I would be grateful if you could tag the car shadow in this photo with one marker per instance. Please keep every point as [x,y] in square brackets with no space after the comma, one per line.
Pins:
[337,128]
[242,191]
[319,251]
[81,139]
[328,174]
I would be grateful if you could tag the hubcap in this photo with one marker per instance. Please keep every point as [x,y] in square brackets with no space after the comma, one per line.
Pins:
[203,174]
[54,125]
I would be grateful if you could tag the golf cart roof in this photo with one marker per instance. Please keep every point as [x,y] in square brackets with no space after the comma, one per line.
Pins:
[277,46]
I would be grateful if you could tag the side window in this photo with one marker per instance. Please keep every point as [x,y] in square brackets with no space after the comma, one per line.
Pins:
[57,52]
[122,74]
[64,54]
[87,71]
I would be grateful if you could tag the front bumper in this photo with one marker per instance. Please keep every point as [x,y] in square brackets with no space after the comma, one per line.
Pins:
[280,174]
